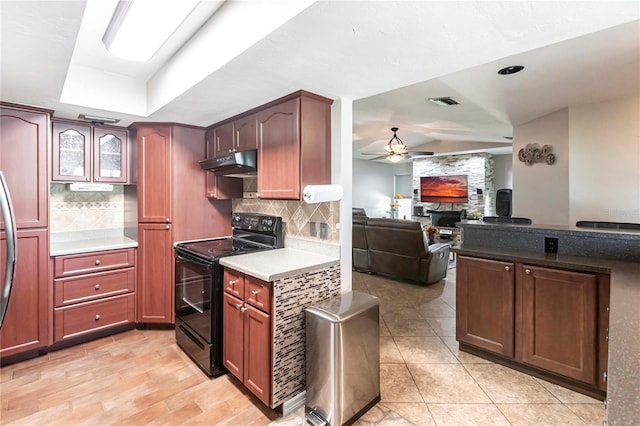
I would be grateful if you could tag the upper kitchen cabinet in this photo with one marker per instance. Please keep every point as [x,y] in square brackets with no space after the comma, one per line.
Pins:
[218,142]
[294,145]
[154,174]
[24,136]
[237,135]
[83,153]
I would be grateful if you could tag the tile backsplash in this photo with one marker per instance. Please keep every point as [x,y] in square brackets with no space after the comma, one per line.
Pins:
[81,211]
[296,215]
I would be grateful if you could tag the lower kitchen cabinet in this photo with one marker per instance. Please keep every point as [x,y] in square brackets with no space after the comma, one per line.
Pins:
[155,292]
[547,320]
[26,324]
[93,292]
[247,339]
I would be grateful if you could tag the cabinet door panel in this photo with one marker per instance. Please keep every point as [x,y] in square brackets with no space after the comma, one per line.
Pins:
[219,187]
[257,354]
[27,319]
[25,135]
[558,325]
[155,274]
[233,335]
[257,293]
[110,155]
[234,283]
[245,136]
[279,151]
[154,178]
[485,304]
[223,140]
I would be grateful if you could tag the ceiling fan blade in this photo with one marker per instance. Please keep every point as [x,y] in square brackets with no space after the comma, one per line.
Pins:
[421,152]
[372,153]
[379,157]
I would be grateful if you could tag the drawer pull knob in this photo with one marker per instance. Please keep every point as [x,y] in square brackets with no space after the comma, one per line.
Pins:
[232,282]
[239,305]
[168,227]
[97,286]
[97,261]
[243,309]
[507,268]
[255,292]
[167,220]
[97,317]
[527,271]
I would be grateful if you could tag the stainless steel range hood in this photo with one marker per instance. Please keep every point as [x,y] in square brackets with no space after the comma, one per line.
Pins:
[237,164]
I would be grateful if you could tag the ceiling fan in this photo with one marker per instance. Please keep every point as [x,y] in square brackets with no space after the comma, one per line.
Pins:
[396,150]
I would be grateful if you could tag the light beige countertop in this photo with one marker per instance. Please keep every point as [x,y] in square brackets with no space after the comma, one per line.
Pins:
[74,242]
[275,264]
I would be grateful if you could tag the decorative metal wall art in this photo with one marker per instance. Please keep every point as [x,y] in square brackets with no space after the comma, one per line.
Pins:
[532,153]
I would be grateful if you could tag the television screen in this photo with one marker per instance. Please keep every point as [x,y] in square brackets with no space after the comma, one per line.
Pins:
[444,189]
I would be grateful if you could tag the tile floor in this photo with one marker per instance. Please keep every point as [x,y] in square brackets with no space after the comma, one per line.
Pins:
[425,380]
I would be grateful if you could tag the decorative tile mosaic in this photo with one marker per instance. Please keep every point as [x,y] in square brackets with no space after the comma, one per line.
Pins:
[296,215]
[82,211]
[292,295]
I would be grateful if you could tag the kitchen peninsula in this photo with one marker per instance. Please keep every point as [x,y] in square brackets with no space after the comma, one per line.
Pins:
[265,297]
[586,294]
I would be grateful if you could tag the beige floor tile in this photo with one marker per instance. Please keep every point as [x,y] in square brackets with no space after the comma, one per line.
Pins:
[444,327]
[415,412]
[382,416]
[384,330]
[539,414]
[389,353]
[446,383]
[467,414]
[409,327]
[397,385]
[463,357]
[424,350]
[567,396]
[436,309]
[591,414]
[504,385]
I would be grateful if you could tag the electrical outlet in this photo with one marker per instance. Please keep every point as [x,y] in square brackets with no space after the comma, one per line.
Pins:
[324,231]
[312,229]
[550,245]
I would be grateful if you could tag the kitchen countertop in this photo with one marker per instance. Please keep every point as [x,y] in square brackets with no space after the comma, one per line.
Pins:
[275,264]
[76,242]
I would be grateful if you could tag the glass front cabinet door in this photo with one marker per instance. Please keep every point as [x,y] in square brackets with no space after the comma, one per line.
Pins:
[71,153]
[89,154]
[110,155]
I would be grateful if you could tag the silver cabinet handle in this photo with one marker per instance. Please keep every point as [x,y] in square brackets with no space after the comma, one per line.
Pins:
[232,282]
[97,261]
[167,220]
[604,376]
[97,317]
[255,292]
[97,287]
[243,309]
[239,305]
[527,271]
[168,227]
[507,268]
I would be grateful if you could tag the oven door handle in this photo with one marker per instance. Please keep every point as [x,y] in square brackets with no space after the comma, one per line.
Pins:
[190,259]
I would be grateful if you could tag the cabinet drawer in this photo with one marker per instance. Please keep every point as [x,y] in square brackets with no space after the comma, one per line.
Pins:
[257,293]
[85,263]
[84,318]
[234,283]
[83,288]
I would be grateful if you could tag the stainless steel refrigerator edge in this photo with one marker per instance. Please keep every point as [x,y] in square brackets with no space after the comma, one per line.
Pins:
[11,245]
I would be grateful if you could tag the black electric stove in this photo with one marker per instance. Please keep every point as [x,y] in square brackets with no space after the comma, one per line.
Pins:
[199,286]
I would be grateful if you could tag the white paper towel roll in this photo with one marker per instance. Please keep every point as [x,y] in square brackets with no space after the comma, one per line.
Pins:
[321,193]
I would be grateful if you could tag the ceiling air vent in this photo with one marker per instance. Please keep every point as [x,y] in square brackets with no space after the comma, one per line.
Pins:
[446,101]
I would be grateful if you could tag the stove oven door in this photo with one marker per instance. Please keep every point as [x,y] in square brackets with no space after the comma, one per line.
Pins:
[194,283]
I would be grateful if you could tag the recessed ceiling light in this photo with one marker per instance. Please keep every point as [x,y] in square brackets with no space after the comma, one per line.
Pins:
[511,69]
[446,101]
[98,120]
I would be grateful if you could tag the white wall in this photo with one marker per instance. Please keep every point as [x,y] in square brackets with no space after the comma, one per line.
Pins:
[373,185]
[541,191]
[605,161]
[502,171]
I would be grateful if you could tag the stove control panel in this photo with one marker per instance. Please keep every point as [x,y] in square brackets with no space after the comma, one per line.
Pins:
[257,222]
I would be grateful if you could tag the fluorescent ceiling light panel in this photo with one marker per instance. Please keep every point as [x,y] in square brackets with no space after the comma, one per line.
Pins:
[138,28]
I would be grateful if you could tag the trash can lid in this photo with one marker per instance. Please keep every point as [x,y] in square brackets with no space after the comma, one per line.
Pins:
[344,306]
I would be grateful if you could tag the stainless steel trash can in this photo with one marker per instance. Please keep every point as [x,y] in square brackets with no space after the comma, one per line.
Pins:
[342,358]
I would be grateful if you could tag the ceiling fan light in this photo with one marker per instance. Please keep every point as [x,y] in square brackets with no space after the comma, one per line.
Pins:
[139,28]
[394,158]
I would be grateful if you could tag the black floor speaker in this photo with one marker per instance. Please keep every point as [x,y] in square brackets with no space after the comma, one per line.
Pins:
[503,202]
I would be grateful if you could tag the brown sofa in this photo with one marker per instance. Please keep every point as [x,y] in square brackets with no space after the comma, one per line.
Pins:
[399,249]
